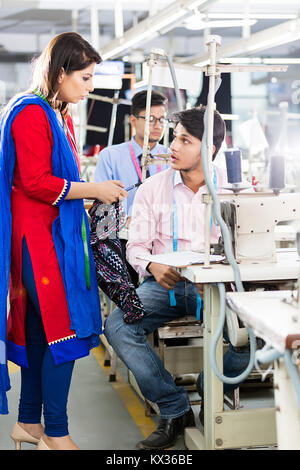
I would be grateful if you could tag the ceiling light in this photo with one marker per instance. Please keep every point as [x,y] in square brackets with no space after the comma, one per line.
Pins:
[141,83]
[286,60]
[166,21]
[240,60]
[123,45]
[195,24]
[149,28]
[230,117]
[195,4]
[280,34]
[259,60]
[203,63]
[135,56]
[290,34]
[256,16]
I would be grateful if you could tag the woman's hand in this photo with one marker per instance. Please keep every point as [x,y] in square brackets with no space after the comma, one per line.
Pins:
[110,191]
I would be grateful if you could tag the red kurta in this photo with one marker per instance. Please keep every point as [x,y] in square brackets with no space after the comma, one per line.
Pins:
[35,189]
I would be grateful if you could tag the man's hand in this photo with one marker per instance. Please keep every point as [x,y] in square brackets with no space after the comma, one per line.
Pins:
[166,276]
[200,290]
[128,220]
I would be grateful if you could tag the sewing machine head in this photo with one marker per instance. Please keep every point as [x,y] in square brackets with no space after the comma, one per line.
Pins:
[252,218]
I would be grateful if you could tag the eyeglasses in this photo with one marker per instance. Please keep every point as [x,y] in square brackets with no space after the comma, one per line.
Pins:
[153,120]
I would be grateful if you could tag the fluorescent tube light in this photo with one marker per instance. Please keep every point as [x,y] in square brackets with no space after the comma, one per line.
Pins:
[256,16]
[240,60]
[123,45]
[140,84]
[280,34]
[230,117]
[286,60]
[195,24]
[196,4]
[291,34]
[203,63]
[165,22]
[148,28]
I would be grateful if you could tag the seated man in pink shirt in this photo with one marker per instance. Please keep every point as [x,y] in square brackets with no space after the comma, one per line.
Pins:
[167,215]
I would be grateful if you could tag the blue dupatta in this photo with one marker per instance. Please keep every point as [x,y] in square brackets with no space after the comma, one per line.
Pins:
[73,253]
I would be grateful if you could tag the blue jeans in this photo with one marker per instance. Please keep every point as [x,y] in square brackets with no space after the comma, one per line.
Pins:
[131,344]
[234,363]
[43,384]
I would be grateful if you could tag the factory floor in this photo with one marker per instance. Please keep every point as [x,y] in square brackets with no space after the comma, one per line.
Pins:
[106,415]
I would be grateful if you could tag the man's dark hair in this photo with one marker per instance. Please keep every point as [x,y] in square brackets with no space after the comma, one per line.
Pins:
[193,121]
[139,101]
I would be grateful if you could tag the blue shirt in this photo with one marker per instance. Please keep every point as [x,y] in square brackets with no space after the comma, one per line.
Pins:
[115,163]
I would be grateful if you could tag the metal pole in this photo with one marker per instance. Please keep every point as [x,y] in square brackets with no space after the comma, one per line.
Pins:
[146,148]
[176,87]
[167,135]
[119,23]
[213,41]
[126,128]
[74,20]
[94,23]
[282,144]
[113,118]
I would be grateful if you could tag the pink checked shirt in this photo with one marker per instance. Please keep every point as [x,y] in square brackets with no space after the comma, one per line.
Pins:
[151,228]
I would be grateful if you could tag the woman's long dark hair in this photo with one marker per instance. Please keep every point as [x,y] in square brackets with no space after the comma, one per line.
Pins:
[67,51]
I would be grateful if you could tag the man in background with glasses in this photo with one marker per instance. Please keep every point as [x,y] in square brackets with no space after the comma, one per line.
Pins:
[123,161]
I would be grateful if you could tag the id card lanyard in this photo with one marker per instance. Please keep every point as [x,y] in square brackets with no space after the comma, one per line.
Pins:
[136,163]
[175,246]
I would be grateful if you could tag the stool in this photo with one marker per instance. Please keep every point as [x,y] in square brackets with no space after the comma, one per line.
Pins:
[183,327]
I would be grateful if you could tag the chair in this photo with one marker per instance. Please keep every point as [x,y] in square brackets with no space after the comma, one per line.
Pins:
[179,359]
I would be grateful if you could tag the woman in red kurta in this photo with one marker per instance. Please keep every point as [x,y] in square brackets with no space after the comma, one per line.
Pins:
[35,195]
[44,334]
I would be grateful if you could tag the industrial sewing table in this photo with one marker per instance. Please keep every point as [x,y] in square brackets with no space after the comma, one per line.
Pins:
[225,429]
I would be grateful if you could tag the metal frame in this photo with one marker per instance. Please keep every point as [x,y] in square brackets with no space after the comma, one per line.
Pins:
[287,410]
[156,55]
[274,317]
[232,428]
[214,70]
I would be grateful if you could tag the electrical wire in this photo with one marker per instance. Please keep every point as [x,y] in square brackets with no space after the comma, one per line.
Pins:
[216,208]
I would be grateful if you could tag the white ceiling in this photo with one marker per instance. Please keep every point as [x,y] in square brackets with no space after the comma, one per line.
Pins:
[25,25]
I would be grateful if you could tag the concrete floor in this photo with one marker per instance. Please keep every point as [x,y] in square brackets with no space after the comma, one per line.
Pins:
[106,415]
[98,418]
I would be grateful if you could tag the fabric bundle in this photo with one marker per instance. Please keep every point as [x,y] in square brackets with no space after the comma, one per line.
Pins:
[112,274]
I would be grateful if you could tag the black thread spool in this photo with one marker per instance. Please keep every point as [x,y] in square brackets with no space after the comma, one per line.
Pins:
[277,173]
[233,165]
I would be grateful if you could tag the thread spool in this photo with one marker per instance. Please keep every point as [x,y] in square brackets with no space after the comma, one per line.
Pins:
[277,173]
[233,165]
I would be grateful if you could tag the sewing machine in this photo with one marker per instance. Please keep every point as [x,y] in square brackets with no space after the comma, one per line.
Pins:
[272,315]
[275,317]
[252,219]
